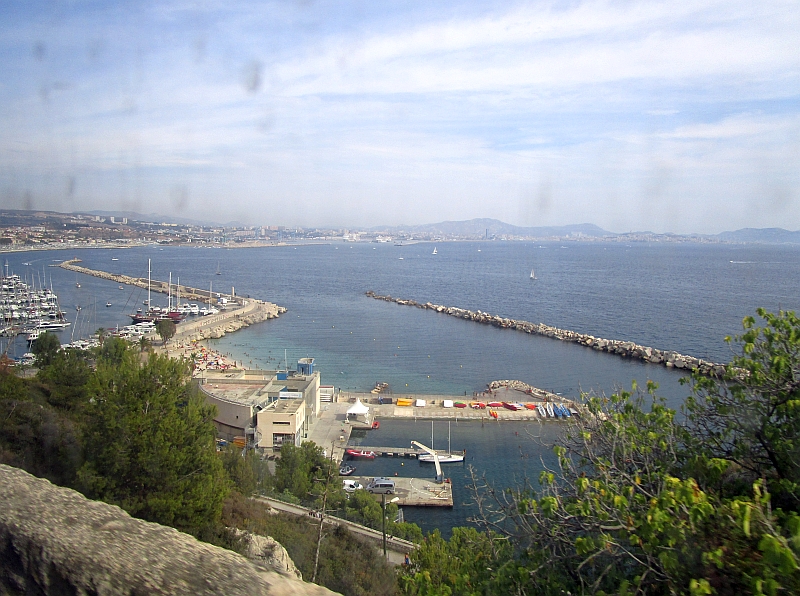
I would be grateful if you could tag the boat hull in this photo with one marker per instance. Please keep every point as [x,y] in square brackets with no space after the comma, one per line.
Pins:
[443,459]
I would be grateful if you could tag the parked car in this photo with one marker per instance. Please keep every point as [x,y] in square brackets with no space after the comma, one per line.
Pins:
[381,486]
[350,486]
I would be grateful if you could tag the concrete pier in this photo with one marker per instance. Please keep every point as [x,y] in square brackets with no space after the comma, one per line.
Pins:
[416,492]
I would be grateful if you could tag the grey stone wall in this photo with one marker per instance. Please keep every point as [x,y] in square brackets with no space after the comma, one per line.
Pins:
[54,541]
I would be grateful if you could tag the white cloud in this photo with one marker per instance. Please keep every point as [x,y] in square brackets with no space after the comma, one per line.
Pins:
[551,114]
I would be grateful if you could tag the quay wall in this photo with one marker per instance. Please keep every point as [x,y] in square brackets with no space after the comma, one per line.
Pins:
[248,311]
[625,349]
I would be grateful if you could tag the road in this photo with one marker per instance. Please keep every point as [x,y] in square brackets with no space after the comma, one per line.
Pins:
[396,548]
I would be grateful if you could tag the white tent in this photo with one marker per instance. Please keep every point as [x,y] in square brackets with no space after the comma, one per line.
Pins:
[357,409]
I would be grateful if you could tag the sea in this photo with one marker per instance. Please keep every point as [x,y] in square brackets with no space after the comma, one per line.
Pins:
[685,297]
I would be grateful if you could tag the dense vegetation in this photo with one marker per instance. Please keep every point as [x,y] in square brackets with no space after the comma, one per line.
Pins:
[644,502]
[128,427]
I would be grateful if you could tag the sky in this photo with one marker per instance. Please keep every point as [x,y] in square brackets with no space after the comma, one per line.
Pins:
[663,116]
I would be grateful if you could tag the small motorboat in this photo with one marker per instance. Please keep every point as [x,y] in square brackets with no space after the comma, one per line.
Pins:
[346,470]
[495,404]
[360,453]
[376,425]
[460,404]
[108,304]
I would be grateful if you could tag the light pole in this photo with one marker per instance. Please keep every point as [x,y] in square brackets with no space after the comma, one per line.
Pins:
[383,506]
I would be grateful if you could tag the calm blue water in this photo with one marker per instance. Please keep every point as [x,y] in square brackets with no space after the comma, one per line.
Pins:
[681,297]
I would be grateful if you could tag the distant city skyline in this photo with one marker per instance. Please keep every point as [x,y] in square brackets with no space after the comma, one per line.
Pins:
[643,116]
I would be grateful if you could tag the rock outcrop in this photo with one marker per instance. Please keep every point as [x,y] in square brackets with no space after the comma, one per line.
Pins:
[54,541]
[626,349]
[269,554]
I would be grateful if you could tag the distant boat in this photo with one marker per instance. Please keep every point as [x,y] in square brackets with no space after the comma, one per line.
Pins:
[218,271]
[533,275]
[114,259]
[77,285]
[108,304]
[434,251]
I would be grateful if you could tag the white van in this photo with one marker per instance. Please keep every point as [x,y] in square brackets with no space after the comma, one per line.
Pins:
[381,486]
[350,486]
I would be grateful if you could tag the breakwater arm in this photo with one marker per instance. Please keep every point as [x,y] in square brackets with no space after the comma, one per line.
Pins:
[246,311]
[626,349]
[187,293]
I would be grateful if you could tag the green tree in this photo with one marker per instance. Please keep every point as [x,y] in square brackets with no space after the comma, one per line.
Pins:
[468,563]
[751,417]
[150,444]
[144,344]
[302,471]
[113,351]
[166,329]
[34,435]
[45,348]
[245,469]
[66,379]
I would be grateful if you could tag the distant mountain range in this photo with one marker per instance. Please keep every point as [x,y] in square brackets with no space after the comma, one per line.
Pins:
[479,228]
[473,228]
[494,227]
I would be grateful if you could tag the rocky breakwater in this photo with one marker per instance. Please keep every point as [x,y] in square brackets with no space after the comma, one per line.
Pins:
[54,541]
[625,349]
[215,326]
[529,390]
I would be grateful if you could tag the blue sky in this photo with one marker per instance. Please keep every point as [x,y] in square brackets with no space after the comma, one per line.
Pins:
[679,116]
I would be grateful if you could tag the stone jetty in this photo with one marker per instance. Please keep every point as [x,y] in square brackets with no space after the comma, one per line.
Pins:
[186,293]
[240,313]
[625,349]
[530,390]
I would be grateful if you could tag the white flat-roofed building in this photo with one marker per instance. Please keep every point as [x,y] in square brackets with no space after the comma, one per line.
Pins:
[266,407]
[281,423]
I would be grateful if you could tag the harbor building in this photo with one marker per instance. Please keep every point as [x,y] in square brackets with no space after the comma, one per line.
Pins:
[262,408]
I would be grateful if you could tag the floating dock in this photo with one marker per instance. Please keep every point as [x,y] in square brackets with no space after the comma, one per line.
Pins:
[416,492]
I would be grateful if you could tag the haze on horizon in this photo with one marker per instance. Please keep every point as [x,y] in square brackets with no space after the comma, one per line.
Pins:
[670,117]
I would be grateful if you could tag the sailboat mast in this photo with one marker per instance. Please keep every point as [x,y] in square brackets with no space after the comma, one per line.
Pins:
[149,306]
[169,292]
